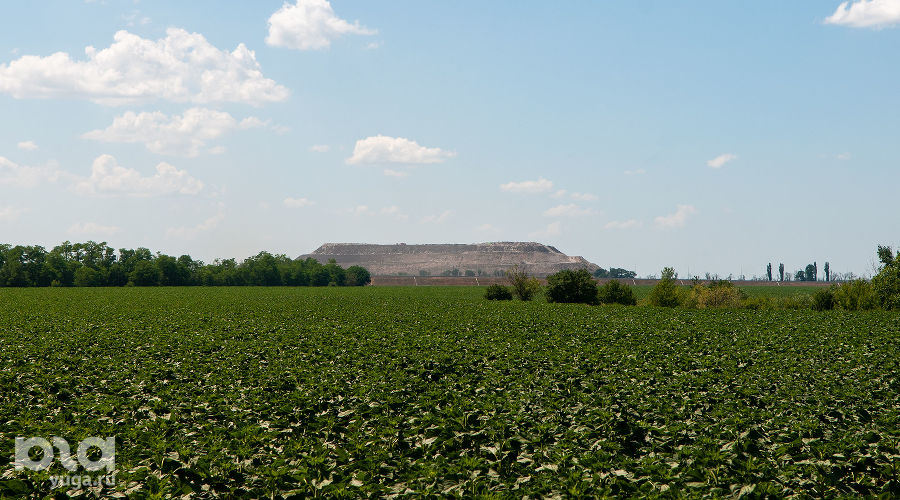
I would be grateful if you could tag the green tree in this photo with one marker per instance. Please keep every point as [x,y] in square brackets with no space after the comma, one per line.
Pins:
[886,283]
[827,271]
[666,292]
[358,276]
[781,272]
[601,273]
[573,287]
[614,292]
[145,273]
[88,276]
[769,271]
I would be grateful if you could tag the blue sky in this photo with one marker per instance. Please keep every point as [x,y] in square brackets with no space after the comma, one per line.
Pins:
[709,136]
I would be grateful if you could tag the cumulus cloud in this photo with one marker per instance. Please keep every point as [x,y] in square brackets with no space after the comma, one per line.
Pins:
[298,202]
[721,160]
[552,229]
[539,186]
[92,228]
[382,149]
[319,148]
[309,25]
[177,135]
[189,232]
[677,219]
[866,14]
[182,67]
[109,178]
[625,224]
[584,197]
[437,219]
[570,210]
[23,176]
[27,146]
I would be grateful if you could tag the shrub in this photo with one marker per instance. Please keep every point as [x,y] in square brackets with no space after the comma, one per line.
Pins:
[498,292]
[759,303]
[823,299]
[572,287]
[523,286]
[716,294]
[614,292]
[856,295]
[666,293]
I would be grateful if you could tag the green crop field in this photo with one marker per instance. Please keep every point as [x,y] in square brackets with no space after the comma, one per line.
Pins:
[338,392]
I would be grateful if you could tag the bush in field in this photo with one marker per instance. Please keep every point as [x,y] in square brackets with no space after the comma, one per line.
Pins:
[498,292]
[718,293]
[614,292]
[887,282]
[666,293]
[524,287]
[572,287]
[823,299]
[856,295]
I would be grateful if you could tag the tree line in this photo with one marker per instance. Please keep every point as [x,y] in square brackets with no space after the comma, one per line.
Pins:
[97,264]
[809,273]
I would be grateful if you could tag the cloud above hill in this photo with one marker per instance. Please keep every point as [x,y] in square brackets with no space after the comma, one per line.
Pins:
[182,67]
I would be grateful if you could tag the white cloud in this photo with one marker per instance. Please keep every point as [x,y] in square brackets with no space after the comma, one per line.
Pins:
[539,186]
[626,224]
[584,197]
[721,160]
[27,146]
[843,156]
[570,210]
[437,219]
[487,228]
[309,25]
[639,171]
[108,178]
[395,212]
[360,210]
[364,210]
[373,45]
[677,219]
[182,67]
[559,194]
[178,135]
[320,148]
[207,225]
[866,14]
[382,149]
[552,229]
[92,228]
[13,174]
[395,173]
[298,202]
[9,213]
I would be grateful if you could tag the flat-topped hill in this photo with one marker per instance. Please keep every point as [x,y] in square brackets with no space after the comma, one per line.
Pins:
[480,259]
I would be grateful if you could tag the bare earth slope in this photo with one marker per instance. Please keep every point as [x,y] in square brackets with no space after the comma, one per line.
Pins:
[482,258]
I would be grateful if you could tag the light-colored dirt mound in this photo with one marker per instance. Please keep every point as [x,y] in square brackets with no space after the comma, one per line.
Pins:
[484,259]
